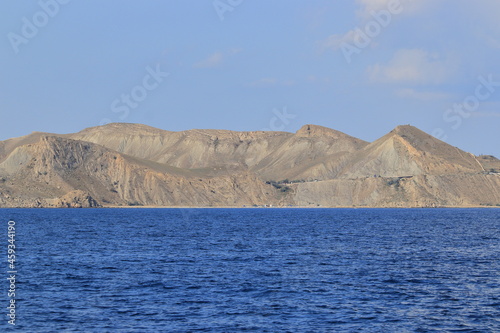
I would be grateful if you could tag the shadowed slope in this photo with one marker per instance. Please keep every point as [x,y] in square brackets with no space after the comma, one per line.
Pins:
[41,173]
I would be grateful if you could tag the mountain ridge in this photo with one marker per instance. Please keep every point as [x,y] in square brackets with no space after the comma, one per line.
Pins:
[123,165]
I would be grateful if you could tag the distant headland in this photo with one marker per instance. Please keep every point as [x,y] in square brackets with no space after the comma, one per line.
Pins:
[125,165]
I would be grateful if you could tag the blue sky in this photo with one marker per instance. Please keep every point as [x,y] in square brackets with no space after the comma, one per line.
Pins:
[361,67]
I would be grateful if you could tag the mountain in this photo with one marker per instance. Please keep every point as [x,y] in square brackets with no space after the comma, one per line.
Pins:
[314,152]
[265,153]
[137,165]
[406,151]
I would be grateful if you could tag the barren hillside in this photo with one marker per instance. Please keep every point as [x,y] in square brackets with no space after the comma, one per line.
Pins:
[138,165]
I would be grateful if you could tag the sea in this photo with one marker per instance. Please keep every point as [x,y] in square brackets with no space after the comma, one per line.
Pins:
[250,270]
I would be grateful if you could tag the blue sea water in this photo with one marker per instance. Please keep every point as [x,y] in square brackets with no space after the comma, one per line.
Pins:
[254,270]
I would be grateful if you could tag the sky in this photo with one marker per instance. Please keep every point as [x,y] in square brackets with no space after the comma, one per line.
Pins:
[359,66]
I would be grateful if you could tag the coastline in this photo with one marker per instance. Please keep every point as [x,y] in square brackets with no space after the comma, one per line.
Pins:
[274,207]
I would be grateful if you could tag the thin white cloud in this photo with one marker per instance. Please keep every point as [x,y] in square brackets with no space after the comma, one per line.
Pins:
[217,58]
[212,61]
[414,66]
[335,41]
[372,13]
[367,7]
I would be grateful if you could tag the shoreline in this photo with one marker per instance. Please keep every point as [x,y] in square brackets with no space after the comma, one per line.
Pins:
[259,207]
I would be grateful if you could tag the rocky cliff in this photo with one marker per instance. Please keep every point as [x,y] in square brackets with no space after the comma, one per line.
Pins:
[137,165]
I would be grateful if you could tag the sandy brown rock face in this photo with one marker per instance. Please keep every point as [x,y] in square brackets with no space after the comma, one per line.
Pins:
[137,165]
[407,151]
[457,190]
[267,154]
[52,167]
[74,199]
[314,152]
[193,149]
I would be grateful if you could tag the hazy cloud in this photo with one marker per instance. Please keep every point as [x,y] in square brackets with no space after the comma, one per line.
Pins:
[369,6]
[216,59]
[212,61]
[413,66]
[334,42]
[366,9]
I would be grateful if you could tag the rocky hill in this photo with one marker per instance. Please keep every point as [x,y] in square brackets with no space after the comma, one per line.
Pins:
[136,165]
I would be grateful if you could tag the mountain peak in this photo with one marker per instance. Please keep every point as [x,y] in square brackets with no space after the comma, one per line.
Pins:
[318,131]
[128,128]
[414,136]
[407,129]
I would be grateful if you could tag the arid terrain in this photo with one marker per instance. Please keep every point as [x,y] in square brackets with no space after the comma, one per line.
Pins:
[123,164]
